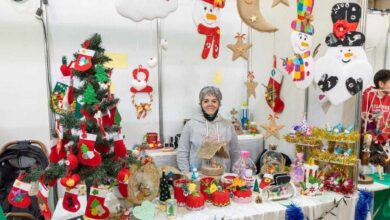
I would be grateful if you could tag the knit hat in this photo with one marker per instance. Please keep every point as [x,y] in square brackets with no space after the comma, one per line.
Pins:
[210,90]
[305,17]
[216,3]
[345,18]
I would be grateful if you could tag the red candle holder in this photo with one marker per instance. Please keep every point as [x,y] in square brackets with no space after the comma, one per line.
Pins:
[204,183]
[178,191]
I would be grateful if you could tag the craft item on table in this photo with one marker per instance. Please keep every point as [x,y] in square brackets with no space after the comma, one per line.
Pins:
[252,128]
[245,168]
[178,191]
[195,200]
[272,129]
[297,172]
[256,186]
[84,57]
[301,65]
[123,181]
[276,2]
[235,122]
[171,208]
[249,11]
[42,196]
[282,190]
[273,88]
[164,44]
[151,139]
[194,174]
[344,70]
[244,115]
[152,62]
[205,184]
[140,86]
[165,194]
[272,161]
[210,153]
[266,181]
[337,182]
[380,153]
[18,195]
[145,211]
[138,10]
[240,49]
[70,201]
[251,85]
[241,193]
[120,150]
[331,157]
[227,179]
[207,16]
[143,184]
[311,185]
[219,196]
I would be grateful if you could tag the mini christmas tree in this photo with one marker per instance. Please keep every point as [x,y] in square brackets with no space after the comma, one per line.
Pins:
[165,194]
[256,186]
[101,75]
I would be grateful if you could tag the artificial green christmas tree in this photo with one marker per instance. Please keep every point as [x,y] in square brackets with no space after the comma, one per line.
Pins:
[256,186]
[165,194]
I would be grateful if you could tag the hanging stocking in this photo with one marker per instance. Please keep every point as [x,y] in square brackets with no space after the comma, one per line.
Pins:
[42,195]
[95,204]
[18,196]
[109,117]
[70,201]
[272,94]
[87,154]
[65,69]
[120,150]
[84,58]
[56,156]
[68,101]
[123,180]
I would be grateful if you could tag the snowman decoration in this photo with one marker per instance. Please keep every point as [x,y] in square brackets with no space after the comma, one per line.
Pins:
[344,70]
[300,67]
[206,15]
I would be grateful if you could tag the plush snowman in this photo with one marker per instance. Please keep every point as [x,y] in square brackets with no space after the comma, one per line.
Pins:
[344,70]
[301,66]
[206,15]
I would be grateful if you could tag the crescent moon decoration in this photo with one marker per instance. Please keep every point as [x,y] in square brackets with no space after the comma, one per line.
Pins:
[249,11]
[276,2]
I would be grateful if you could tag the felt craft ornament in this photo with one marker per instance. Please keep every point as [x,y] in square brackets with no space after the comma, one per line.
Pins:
[251,85]
[207,16]
[95,205]
[120,150]
[18,196]
[84,57]
[42,195]
[70,201]
[57,98]
[240,49]
[123,181]
[139,86]
[344,70]
[87,154]
[301,66]
[272,92]
[272,129]
[70,180]
[249,11]
[66,69]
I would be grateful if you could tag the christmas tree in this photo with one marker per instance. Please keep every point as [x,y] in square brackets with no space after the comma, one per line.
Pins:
[91,146]
[256,186]
[165,194]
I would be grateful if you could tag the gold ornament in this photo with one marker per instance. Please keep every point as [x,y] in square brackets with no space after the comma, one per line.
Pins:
[251,85]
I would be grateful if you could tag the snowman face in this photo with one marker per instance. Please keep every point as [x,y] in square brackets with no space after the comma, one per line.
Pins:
[348,54]
[300,42]
[206,14]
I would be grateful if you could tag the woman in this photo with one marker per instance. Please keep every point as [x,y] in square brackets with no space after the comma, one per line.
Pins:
[205,128]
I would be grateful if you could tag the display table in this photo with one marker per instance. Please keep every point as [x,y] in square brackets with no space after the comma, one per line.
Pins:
[312,207]
[251,143]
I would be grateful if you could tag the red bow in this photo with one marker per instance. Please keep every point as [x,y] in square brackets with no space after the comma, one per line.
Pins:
[342,27]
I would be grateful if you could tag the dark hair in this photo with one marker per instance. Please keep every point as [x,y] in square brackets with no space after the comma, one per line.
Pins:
[381,76]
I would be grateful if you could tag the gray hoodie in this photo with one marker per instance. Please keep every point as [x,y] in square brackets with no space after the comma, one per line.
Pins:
[192,136]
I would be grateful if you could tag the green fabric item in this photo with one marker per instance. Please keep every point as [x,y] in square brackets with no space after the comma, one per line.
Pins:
[382,198]
[2,216]
[386,181]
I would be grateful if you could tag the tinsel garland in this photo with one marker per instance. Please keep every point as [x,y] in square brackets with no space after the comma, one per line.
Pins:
[319,134]
[363,205]
[329,157]
[294,212]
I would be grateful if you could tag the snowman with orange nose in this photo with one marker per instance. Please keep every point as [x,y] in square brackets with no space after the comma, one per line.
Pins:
[206,15]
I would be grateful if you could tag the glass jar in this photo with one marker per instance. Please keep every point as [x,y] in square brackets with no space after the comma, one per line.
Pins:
[272,161]
[244,167]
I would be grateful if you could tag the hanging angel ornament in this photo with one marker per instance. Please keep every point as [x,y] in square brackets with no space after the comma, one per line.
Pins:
[139,87]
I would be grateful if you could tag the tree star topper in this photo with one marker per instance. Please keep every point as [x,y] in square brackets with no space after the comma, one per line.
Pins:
[272,129]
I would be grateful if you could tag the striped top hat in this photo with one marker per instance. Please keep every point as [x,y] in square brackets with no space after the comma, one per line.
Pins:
[303,22]
[216,3]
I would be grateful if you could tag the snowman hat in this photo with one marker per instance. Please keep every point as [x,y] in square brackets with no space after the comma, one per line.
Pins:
[345,18]
[305,17]
[216,3]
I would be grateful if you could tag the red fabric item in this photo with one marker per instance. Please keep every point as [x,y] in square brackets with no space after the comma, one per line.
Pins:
[102,148]
[342,27]
[220,198]
[70,181]
[42,195]
[70,201]
[123,180]
[109,118]
[195,201]
[216,3]
[212,38]
[56,156]
[87,154]
[120,150]
[272,95]
[72,161]
[18,196]
[95,205]
[371,103]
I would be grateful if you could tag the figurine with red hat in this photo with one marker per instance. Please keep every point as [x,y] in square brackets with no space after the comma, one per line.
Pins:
[206,15]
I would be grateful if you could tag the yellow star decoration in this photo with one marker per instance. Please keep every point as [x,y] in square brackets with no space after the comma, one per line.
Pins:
[240,49]
[253,18]
[276,2]
[217,80]
[272,129]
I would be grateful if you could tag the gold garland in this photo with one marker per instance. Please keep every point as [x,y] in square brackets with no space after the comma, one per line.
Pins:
[319,134]
[329,157]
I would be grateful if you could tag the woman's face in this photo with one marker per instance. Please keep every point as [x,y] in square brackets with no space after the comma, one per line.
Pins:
[210,104]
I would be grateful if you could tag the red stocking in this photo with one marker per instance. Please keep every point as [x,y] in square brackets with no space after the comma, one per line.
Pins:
[95,204]
[87,154]
[119,147]
[123,179]
[18,196]
[272,94]
[42,200]
[70,201]
[84,60]
[57,151]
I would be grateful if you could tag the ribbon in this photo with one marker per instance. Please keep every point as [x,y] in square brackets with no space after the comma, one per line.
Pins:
[142,109]
[342,27]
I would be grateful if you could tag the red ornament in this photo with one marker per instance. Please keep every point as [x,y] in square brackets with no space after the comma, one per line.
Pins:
[195,202]
[70,181]
[220,198]
[342,27]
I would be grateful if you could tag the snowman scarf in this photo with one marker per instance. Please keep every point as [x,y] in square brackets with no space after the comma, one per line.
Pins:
[296,66]
[212,37]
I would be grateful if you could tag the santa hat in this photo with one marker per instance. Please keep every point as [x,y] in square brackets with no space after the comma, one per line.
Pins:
[216,3]
[302,22]
[345,18]
[381,139]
